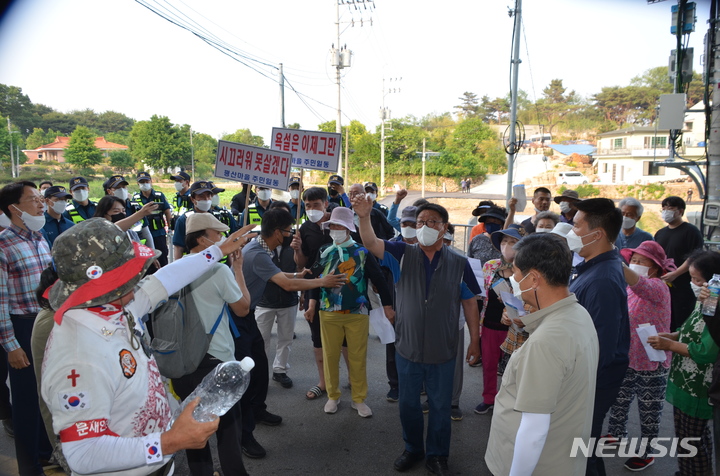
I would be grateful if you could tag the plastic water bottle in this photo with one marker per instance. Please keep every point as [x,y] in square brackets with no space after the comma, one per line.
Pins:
[711,302]
[220,389]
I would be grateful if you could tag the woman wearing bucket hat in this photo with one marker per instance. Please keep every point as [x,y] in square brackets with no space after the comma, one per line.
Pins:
[648,303]
[343,311]
[493,331]
[100,380]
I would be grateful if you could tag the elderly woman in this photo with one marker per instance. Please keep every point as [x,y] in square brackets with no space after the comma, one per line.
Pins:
[691,371]
[546,221]
[648,303]
[494,331]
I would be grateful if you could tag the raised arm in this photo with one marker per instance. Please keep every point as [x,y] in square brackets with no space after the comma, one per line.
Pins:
[362,207]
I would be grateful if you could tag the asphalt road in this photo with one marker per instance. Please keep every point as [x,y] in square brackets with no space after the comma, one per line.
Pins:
[311,442]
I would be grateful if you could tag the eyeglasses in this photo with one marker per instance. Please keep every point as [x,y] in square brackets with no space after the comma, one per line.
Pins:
[37,200]
[430,223]
[291,231]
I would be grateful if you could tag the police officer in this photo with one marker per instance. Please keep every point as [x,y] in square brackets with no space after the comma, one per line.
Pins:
[117,186]
[155,220]
[222,213]
[295,200]
[56,199]
[336,191]
[201,193]
[182,202]
[81,207]
[257,208]
[371,189]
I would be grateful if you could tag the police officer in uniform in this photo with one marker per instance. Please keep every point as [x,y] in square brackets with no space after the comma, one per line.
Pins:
[222,213]
[117,186]
[56,200]
[181,202]
[257,208]
[201,193]
[81,207]
[155,221]
[371,189]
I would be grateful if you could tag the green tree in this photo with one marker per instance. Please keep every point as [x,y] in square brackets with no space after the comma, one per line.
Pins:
[39,137]
[294,125]
[160,144]
[122,161]
[111,121]
[244,136]
[205,151]
[468,105]
[18,107]
[59,121]
[81,150]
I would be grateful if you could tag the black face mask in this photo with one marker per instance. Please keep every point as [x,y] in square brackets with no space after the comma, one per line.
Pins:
[117,217]
[332,192]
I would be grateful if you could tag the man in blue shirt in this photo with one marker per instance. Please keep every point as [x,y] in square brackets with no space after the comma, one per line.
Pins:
[155,221]
[56,199]
[81,207]
[631,235]
[599,286]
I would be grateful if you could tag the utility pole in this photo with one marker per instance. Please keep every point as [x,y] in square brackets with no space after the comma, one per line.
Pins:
[192,156]
[385,116]
[512,147]
[712,199]
[13,170]
[282,97]
[423,170]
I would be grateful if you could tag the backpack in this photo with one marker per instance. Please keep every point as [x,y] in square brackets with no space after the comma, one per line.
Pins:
[179,341]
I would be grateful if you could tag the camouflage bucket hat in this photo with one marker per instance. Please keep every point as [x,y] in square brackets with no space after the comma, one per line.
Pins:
[96,263]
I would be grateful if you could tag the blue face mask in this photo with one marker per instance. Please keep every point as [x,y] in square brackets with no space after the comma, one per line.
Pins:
[492,227]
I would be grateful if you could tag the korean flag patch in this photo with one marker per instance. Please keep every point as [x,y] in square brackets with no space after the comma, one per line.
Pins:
[74,401]
[153,450]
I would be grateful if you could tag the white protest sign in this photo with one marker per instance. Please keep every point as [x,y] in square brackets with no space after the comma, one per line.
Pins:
[253,165]
[309,149]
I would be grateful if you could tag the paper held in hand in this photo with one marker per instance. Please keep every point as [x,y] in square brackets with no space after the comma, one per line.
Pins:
[647,330]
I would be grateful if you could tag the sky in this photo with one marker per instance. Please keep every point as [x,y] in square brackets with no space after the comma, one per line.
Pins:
[415,57]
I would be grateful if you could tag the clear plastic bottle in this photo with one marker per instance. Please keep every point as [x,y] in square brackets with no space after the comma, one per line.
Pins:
[711,302]
[220,389]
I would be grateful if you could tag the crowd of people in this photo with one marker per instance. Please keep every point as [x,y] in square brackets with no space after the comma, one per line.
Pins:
[556,304]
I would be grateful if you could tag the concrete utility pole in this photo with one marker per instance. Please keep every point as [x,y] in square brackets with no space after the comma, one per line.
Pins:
[282,96]
[712,201]
[385,116]
[512,148]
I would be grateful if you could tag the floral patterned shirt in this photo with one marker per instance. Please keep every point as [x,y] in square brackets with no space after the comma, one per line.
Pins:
[648,303]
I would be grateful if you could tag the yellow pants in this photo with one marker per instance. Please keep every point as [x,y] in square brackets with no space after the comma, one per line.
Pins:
[334,327]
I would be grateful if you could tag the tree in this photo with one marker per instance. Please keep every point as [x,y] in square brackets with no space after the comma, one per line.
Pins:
[39,137]
[17,106]
[160,144]
[244,136]
[121,160]
[111,121]
[59,121]
[81,150]
[205,147]
[468,106]
[294,125]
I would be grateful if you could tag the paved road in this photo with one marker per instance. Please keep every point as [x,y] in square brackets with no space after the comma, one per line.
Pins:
[310,442]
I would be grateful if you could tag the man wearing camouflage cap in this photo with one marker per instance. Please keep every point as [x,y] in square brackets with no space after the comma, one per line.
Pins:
[100,380]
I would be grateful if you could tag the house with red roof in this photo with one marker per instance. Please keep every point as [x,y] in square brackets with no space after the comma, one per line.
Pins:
[56,150]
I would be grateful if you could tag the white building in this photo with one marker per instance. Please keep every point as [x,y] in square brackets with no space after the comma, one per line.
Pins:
[628,156]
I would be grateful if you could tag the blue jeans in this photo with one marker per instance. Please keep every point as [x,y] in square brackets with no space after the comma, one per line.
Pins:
[31,439]
[438,380]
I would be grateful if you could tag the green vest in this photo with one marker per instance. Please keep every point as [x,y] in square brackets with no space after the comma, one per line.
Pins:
[154,220]
[253,215]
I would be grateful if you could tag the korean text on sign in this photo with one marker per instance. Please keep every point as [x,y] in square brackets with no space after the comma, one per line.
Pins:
[253,165]
[309,149]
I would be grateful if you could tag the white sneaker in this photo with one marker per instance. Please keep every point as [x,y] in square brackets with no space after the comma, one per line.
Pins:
[362,409]
[331,406]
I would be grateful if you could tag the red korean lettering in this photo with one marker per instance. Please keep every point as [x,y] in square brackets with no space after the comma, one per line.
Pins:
[295,142]
[278,140]
[313,145]
[284,165]
[266,163]
[331,145]
[275,164]
[258,161]
[323,145]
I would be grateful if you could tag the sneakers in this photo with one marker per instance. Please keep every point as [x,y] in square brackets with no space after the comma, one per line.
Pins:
[610,440]
[437,465]
[267,418]
[456,414]
[362,409]
[407,460]
[425,407]
[252,449]
[638,464]
[331,406]
[393,395]
[483,408]
[283,379]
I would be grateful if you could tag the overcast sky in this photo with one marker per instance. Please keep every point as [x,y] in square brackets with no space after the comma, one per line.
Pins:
[118,55]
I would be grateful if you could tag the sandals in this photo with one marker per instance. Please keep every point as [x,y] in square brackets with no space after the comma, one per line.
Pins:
[314,393]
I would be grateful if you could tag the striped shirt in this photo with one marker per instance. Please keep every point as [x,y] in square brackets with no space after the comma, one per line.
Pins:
[23,256]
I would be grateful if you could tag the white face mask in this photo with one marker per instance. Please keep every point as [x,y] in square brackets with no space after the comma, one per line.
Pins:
[408,232]
[215,201]
[640,269]
[179,186]
[695,288]
[565,207]
[33,223]
[294,194]
[543,230]
[5,221]
[575,242]
[264,195]
[315,215]
[59,206]
[338,236]
[121,193]
[517,291]
[506,249]
[145,187]
[80,195]
[203,205]
[668,215]
[372,196]
[628,223]
[427,236]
